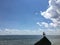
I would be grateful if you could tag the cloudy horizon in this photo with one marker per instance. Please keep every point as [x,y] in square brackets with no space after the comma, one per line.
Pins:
[28,32]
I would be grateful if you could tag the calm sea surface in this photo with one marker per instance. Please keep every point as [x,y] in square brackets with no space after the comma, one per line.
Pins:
[26,39]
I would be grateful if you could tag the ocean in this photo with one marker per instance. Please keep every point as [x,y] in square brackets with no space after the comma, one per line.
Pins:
[27,39]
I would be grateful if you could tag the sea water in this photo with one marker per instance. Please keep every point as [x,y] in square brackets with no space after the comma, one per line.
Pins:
[26,39]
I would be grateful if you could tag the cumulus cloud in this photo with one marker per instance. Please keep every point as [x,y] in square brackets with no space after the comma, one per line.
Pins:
[28,32]
[52,13]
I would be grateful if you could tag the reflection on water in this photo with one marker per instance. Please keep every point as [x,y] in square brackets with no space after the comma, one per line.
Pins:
[55,41]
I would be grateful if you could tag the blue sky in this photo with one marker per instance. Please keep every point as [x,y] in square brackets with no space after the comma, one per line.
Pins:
[29,16]
[20,14]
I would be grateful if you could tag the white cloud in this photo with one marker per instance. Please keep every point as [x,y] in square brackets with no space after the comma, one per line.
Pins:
[53,13]
[47,14]
[52,24]
[43,24]
[39,23]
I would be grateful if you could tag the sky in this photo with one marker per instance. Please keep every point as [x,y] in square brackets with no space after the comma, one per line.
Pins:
[29,17]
